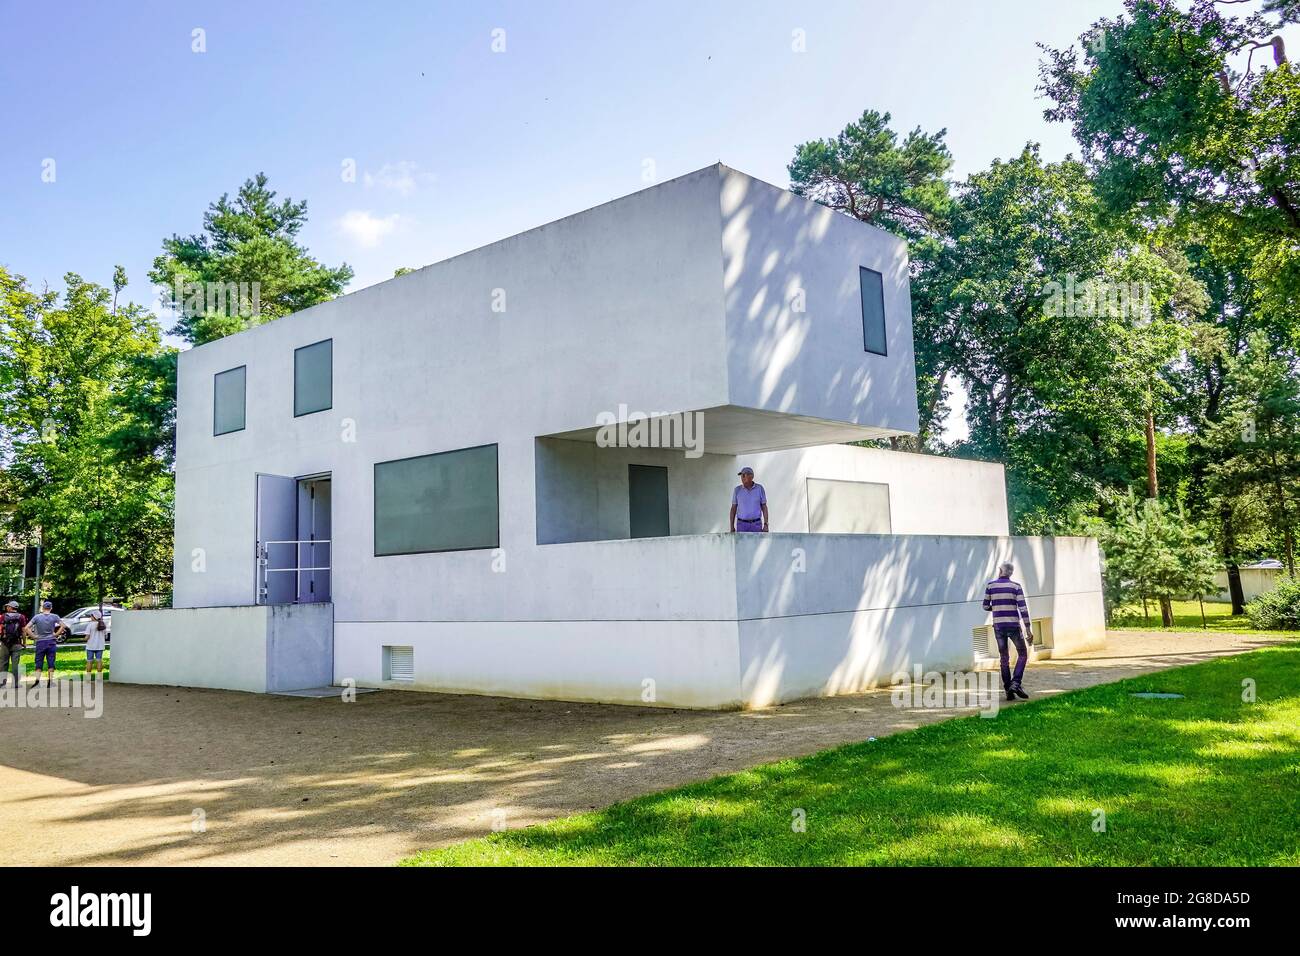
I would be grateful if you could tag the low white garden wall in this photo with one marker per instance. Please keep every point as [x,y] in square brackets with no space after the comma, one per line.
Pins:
[252,648]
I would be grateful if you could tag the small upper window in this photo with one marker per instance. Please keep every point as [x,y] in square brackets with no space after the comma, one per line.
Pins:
[873,310]
[313,378]
[228,400]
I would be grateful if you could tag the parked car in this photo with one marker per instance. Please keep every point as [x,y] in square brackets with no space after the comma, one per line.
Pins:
[79,622]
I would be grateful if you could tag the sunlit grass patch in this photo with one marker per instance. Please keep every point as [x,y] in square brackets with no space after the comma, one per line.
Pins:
[1093,777]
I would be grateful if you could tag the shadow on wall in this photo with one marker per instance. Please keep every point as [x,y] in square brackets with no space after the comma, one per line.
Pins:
[861,607]
[777,248]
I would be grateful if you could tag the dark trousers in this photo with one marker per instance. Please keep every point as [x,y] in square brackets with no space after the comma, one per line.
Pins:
[9,657]
[1007,632]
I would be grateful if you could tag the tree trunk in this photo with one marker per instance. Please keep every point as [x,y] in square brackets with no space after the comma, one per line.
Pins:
[1153,492]
[1153,482]
[1230,561]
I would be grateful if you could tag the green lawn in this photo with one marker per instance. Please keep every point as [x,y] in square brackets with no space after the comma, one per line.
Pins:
[1187,617]
[68,661]
[1203,781]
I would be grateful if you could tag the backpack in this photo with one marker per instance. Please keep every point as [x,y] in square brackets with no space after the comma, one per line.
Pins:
[13,632]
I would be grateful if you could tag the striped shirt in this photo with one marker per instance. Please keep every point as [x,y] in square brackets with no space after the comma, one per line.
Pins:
[1006,600]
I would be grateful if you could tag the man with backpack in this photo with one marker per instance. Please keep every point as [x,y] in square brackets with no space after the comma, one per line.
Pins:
[12,639]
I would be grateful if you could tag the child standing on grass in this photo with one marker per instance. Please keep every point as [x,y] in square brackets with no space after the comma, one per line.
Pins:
[95,641]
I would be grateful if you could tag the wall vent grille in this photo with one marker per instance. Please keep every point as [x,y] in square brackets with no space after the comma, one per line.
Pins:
[399,663]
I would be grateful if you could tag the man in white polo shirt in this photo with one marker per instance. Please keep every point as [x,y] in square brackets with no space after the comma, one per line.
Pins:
[748,504]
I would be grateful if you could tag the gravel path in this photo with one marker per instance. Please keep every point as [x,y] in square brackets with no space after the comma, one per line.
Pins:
[183,776]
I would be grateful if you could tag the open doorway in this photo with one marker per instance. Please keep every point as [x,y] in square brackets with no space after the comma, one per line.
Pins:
[293,539]
[314,539]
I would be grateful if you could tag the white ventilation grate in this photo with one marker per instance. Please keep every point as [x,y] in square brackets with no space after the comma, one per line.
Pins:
[399,663]
[980,639]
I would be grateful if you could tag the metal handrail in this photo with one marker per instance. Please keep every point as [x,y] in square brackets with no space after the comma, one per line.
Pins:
[264,561]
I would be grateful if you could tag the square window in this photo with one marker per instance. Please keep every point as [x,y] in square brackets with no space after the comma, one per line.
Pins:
[313,378]
[872,284]
[228,389]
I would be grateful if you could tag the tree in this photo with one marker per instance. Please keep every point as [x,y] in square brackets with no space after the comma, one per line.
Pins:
[1258,438]
[102,515]
[246,267]
[864,172]
[1151,551]
[1043,313]
[1177,133]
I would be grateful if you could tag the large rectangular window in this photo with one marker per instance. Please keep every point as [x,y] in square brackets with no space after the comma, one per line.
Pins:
[228,400]
[873,310]
[313,378]
[442,502]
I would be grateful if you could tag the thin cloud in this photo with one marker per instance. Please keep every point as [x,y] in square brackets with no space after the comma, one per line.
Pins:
[366,229]
[402,177]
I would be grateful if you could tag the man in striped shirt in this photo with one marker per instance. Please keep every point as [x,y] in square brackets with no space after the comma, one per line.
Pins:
[1006,600]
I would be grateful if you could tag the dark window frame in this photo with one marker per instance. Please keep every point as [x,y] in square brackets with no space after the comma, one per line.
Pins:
[217,375]
[884,322]
[374,511]
[312,345]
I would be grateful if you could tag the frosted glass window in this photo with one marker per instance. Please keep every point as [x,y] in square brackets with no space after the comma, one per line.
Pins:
[313,378]
[228,400]
[873,311]
[848,507]
[442,502]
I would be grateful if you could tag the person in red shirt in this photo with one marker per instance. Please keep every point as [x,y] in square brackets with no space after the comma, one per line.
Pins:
[12,639]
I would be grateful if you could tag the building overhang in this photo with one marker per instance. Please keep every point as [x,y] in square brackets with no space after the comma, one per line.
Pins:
[724,430]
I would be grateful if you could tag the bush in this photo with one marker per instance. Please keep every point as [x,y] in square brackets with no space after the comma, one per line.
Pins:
[1278,609]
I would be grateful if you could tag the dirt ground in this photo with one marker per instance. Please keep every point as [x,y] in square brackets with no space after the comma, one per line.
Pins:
[183,776]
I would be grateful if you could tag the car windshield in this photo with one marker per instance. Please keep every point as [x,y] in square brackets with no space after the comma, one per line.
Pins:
[78,612]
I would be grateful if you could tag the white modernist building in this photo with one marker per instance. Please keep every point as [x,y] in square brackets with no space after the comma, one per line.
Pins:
[418,485]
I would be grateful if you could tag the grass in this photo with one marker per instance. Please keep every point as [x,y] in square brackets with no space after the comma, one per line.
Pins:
[1208,780]
[67,661]
[1187,617]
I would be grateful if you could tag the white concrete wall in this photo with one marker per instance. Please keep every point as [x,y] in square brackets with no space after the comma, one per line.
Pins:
[663,663]
[726,620]
[832,614]
[927,494]
[777,247]
[1254,582]
[255,649]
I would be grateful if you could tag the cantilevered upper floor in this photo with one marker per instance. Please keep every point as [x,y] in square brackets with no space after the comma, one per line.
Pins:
[714,291]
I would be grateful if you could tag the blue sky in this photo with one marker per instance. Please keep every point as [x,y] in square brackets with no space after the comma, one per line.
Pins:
[456,145]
